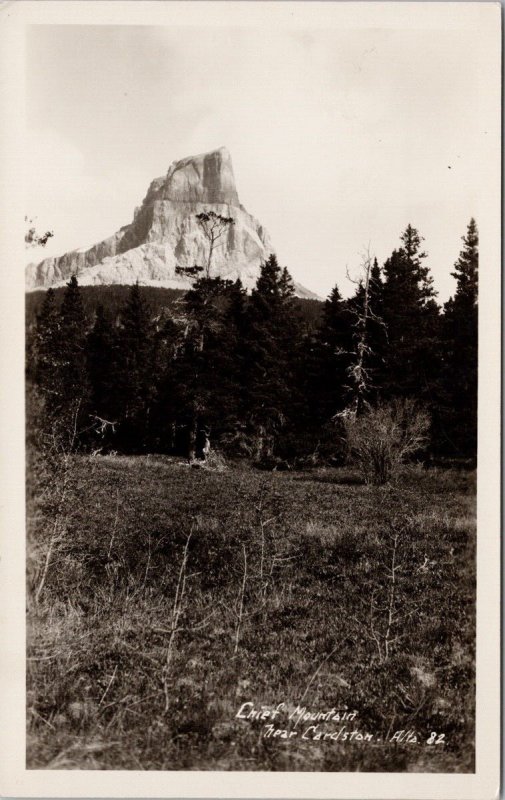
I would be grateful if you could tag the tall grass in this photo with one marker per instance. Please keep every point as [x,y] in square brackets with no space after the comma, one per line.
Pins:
[171,596]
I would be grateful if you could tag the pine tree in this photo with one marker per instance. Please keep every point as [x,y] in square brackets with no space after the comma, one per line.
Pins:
[411,319]
[237,304]
[214,226]
[323,377]
[466,270]
[201,366]
[460,339]
[72,380]
[233,358]
[169,392]
[42,375]
[333,348]
[135,382]
[102,370]
[272,347]
[45,352]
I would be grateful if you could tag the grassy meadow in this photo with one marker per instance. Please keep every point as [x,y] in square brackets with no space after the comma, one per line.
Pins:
[162,598]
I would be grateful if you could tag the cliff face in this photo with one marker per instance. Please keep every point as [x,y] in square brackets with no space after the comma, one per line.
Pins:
[165,234]
[207,178]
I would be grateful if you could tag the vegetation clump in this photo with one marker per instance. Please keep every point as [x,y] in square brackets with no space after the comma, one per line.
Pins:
[381,439]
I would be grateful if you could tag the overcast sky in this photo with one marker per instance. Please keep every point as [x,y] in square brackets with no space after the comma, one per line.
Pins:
[338,138]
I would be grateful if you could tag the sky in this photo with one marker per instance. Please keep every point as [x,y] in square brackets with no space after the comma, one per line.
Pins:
[339,138]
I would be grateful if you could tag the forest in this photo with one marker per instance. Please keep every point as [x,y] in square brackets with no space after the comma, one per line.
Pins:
[267,377]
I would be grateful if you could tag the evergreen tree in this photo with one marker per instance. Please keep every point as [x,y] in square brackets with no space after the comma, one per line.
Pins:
[323,371]
[45,354]
[236,313]
[272,350]
[102,371]
[72,381]
[202,365]
[460,340]
[333,346]
[411,319]
[169,392]
[135,381]
[233,358]
[466,271]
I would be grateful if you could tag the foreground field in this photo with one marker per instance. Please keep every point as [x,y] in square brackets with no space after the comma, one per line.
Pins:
[162,600]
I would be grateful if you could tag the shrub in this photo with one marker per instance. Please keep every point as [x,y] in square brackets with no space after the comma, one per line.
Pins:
[380,439]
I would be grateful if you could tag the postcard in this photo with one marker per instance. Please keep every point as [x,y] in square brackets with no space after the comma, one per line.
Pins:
[251,399]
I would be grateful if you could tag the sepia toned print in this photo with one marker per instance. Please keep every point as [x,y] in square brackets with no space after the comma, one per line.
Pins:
[253,387]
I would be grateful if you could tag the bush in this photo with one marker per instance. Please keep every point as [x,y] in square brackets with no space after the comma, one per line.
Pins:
[382,438]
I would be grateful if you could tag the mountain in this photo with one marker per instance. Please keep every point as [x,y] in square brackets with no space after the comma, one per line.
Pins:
[165,234]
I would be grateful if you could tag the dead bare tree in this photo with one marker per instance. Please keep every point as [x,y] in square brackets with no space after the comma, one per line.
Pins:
[359,374]
[102,427]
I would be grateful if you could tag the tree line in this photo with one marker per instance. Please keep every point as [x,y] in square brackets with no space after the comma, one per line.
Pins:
[248,375]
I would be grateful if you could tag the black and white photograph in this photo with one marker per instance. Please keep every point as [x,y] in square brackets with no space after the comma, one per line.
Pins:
[253,384]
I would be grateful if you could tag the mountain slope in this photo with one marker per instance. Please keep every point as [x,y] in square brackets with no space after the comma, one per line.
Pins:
[165,234]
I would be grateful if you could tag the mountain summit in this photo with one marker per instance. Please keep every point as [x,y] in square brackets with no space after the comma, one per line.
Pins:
[207,178]
[165,235]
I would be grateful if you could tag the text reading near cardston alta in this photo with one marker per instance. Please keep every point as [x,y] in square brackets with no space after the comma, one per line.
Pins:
[338,724]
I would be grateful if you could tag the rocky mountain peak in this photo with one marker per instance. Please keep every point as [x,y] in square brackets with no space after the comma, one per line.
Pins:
[165,235]
[206,178]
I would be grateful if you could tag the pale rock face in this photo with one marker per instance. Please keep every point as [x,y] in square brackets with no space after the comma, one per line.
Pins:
[207,178]
[165,234]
